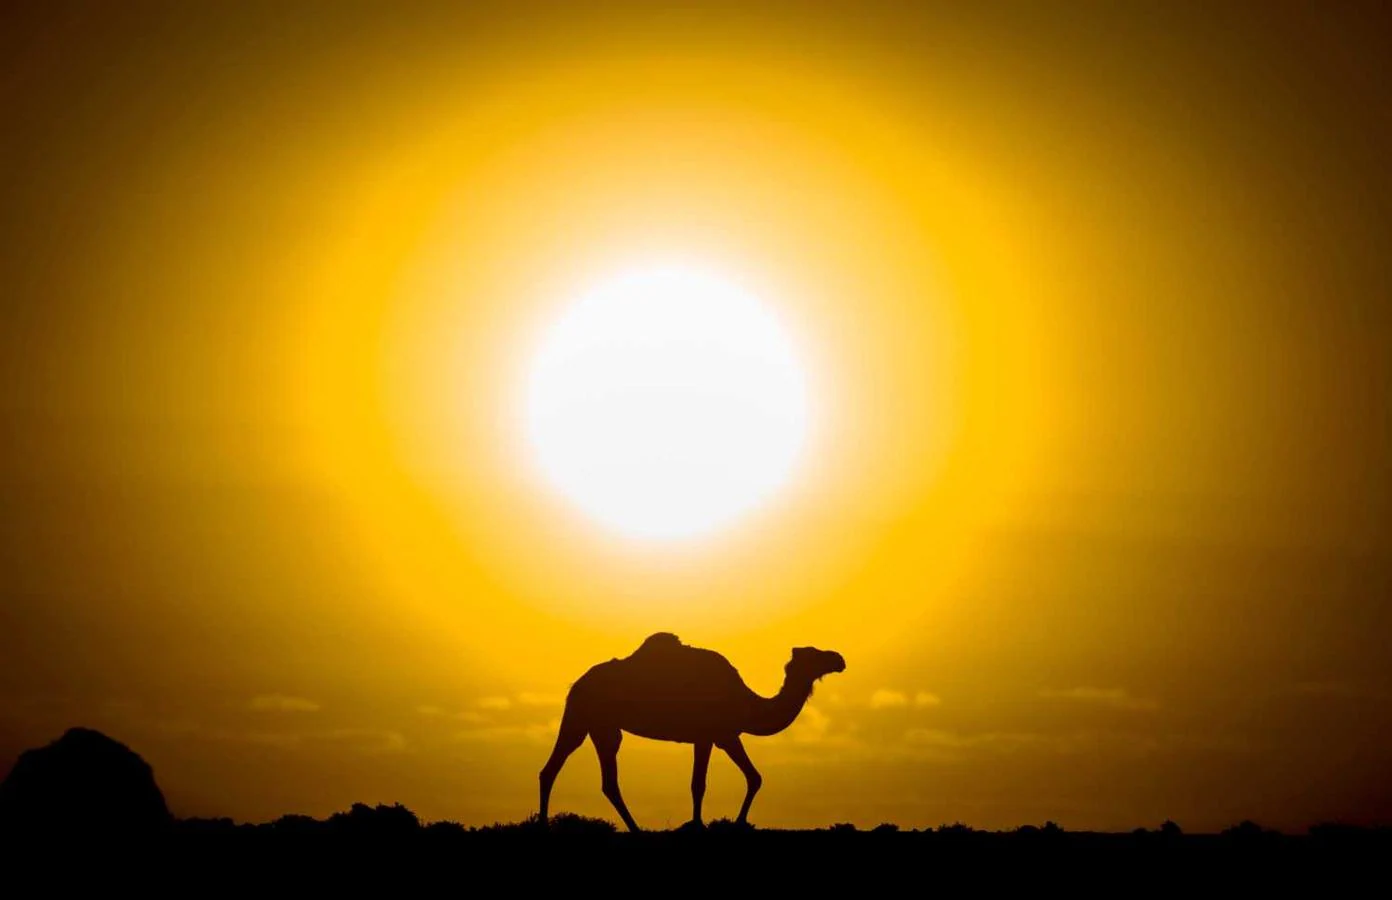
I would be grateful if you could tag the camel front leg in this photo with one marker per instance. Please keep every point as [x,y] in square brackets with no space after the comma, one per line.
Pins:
[753,780]
[606,744]
[698,779]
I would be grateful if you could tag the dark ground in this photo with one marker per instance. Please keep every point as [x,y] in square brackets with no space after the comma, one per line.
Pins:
[387,848]
[85,812]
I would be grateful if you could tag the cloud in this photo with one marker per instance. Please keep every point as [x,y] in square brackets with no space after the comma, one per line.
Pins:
[536,734]
[815,737]
[954,740]
[884,698]
[887,699]
[367,740]
[950,746]
[265,738]
[468,715]
[282,703]
[362,740]
[1116,698]
[810,727]
[499,702]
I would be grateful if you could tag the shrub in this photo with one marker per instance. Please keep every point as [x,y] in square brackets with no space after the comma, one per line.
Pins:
[955,828]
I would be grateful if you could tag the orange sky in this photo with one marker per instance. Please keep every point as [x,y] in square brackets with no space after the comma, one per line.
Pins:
[1093,307]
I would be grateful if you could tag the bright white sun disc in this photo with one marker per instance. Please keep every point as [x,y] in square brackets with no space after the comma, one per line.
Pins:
[666,403]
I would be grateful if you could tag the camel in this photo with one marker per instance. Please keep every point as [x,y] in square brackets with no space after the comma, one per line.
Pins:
[669,691]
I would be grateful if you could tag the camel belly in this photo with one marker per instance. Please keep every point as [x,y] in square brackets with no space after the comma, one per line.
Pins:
[685,723]
[675,735]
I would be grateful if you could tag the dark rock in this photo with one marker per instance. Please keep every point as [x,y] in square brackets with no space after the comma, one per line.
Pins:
[84,782]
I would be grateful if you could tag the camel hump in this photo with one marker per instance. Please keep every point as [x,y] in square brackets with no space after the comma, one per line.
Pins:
[659,642]
[664,655]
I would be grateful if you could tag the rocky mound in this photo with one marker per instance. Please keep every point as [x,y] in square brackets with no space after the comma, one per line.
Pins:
[82,782]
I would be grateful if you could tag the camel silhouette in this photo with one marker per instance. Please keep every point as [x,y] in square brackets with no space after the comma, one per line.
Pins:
[668,691]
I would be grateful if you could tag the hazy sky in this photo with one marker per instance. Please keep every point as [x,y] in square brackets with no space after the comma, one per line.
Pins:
[1094,307]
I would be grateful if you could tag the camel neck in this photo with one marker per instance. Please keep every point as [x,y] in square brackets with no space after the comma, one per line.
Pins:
[773,714]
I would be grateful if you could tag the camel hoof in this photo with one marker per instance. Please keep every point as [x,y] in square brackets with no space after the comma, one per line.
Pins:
[695,825]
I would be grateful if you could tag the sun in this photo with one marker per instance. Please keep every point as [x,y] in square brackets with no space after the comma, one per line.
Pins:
[666,403]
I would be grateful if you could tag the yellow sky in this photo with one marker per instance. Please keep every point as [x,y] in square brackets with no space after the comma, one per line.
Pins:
[1093,308]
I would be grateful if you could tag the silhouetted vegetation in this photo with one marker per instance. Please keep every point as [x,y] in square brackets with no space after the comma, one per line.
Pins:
[362,820]
[84,781]
[393,836]
[956,828]
[1248,831]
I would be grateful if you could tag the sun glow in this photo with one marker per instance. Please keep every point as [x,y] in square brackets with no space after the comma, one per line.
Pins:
[666,403]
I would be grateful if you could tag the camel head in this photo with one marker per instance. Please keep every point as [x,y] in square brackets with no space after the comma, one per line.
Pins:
[809,663]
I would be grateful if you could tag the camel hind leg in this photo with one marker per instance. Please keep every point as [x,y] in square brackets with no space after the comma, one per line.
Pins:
[571,736]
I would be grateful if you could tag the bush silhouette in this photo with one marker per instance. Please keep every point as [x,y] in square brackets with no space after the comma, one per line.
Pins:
[295,824]
[728,826]
[380,821]
[572,823]
[1247,830]
[446,829]
[957,828]
[82,782]
[211,826]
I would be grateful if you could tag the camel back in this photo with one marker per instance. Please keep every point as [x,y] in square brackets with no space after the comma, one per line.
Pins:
[667,659]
